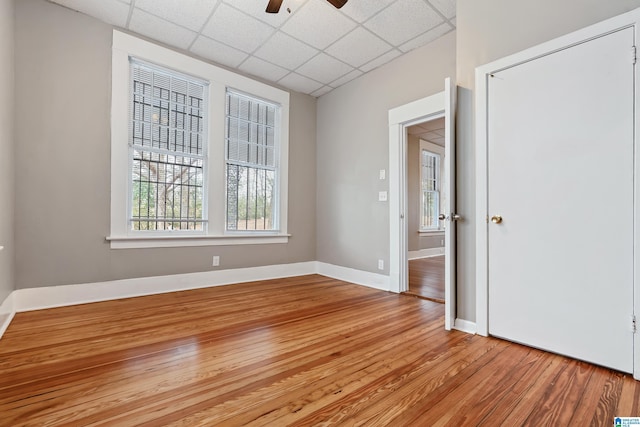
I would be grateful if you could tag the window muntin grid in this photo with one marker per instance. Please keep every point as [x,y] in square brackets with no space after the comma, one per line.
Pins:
[167,146]
[252,170]
[430,190]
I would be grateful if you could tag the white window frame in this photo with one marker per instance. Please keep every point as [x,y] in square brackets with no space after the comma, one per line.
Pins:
[121,236]
[439,152]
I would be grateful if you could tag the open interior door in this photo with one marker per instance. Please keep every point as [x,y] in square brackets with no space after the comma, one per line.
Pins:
[450,217]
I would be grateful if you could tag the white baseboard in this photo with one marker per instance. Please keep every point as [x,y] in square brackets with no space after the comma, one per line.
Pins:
[359,277]
[425,253]
[7,311]
[465,326]
[59,296]
[65,295]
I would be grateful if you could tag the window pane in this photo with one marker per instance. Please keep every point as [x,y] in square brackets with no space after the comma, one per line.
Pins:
[167,192]
[250,196]
[167,135]
[430,186]
[430,209]
[250,129]
[251,163]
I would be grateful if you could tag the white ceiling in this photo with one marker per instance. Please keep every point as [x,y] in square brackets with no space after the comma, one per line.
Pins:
[432,131]
[312,50]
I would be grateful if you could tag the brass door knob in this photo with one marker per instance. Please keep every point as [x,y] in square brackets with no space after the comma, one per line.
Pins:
[442,217]
[496,219]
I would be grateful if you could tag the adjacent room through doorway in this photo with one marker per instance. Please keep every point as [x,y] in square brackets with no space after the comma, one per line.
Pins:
[426,202]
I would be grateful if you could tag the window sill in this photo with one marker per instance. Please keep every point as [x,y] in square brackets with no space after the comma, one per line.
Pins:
[431,233]
[137,242]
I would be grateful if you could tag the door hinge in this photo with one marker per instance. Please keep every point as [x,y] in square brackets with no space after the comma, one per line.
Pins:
[634,326]
[634,54]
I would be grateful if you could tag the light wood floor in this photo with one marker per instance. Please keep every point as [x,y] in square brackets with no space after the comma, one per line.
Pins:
[301,351]
[426,278]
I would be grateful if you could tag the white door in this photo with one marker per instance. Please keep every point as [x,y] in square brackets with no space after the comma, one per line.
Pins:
[561,177]
[450,209]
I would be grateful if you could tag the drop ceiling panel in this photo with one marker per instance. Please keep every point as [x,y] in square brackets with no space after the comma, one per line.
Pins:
[300,83]
[381,60]
[404,20]
[317,23]
[256,9]
[360,11]
[427,37]
[324,68]
[159,29]
[234,28]
[429,126]
[187,13]
[263,69]
[322,91]
[218,52]
[286,51]
[446,7]
[358,47]
[346,78]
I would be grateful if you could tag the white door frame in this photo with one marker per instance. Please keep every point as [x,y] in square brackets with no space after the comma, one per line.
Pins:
[419,111]
[483,73]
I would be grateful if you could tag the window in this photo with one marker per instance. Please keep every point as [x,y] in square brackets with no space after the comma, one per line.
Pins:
[199,154]
[251,163]
[167,150]
[430,190]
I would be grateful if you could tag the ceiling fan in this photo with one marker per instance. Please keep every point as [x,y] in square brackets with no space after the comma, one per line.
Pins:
[274,5]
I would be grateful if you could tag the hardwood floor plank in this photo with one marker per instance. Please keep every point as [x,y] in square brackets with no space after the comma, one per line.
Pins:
[514,402]
[500,391]
[559,402]
[426,278]
[533,392]
[469,384]
[300,351]
[628,403]
[378,403]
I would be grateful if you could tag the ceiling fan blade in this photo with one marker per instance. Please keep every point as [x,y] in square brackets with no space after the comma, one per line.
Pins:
[338,3]
[274,6]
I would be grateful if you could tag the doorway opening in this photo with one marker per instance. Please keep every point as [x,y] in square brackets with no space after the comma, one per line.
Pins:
[426,202]
[438,106]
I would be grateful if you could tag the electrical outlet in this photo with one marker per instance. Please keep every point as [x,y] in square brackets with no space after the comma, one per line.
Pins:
[216,260]
[380,264]
[382,196]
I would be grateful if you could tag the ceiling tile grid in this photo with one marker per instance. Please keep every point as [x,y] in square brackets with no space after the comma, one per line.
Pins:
[309,46]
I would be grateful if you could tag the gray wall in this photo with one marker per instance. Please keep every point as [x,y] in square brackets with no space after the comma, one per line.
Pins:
[63,75]
[413,192]
[6,148]
[353,145]
[489,30]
